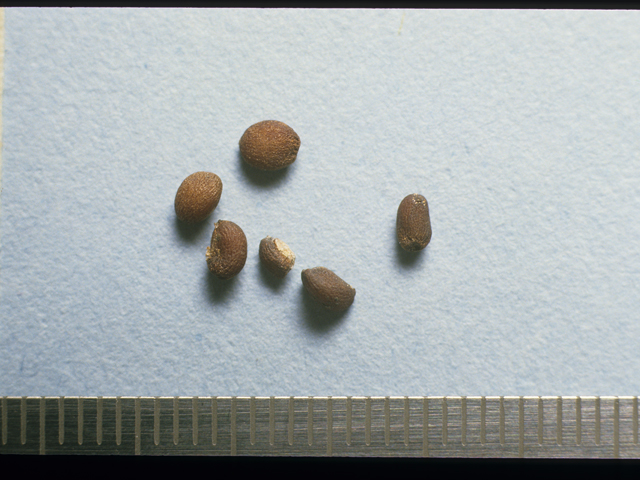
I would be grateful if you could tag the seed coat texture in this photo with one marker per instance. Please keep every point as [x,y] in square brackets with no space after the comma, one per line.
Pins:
[269,145]
[328,288]
[413,225]
[228,251]
[198,196]
[276,256]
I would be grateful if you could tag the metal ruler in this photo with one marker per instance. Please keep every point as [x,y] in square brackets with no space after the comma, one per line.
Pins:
[452,426]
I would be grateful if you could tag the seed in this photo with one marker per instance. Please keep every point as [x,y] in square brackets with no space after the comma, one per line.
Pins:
[328,288]
[276,256]
[228,251]
[413,225]
[198,196]
[269,145]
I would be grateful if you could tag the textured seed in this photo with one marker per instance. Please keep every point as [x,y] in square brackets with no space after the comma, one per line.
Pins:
[276,256]
[269,145]
[198,196]
[328,288]
[413,225]
[228,251]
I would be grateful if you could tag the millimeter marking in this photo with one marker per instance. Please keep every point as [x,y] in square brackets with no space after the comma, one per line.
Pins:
[61,420]
[290,425]
[387,421]
[578,420]
[118,420]
[520,427]
[214,421]
[137,425]
[80,420]
[156,421]
[540,421]
[23,420]
[425,427]
[348,420]
[329,426]
[367,421]
[559,421]
[502,441]
[634,420]
[272,421]
[406,421]
[42,438]
[310,421]
[99,408]
[463,433]
[194,419]
[616,431]
[445,421]
[5,418]
[176,421]
[597,420]
[483,420]
[252,421]
[233,426]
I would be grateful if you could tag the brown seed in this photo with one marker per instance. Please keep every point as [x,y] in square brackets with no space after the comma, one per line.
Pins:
[276,256]
[413,225]
[228,251]
[328,288]
[198,196]
[269,145]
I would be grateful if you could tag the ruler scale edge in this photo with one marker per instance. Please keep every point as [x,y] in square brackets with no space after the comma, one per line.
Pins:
[338,426]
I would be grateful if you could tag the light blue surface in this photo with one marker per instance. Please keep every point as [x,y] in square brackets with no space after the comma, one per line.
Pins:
[522,129]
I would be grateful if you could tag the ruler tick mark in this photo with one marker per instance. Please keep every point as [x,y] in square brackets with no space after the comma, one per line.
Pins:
[634,415]
[387,421]
[176,421]
[540,421]
[42,409]
[99,408]
[502,441]
[194,419]
[425,427]
[156,421]
[406,421]
[367,421]
[616,427]
[80,420]
[214,421]
[521,427]
[463,425]
[290,425]
[233,426]
[310,421]
[137,425]
[559,421]
[252,420]
[348,421]
[118,420]
[445,421]
[60,420]
[272,421]
[5,418]
[578,421]
[598,421]
[23,420]
[483,420]
[329,426]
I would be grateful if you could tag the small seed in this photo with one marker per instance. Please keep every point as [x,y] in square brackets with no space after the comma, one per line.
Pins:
[269,145]
[198,196]
[228,251]
[328,288]
[276,256]
[413,225]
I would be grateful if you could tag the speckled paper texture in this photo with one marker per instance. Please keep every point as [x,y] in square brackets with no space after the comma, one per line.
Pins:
[521,128]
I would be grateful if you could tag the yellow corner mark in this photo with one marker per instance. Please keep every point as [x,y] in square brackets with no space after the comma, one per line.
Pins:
[401,23]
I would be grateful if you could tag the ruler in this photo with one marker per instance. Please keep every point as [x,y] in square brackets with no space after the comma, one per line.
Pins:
[450,426]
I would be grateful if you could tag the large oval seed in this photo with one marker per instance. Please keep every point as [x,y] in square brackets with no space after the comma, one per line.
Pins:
[228,251]
[413,225]
[269,145]
[328,288]
[276,256]
[198,196]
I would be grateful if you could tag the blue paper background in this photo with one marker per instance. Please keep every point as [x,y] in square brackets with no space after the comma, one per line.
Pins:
[522,129]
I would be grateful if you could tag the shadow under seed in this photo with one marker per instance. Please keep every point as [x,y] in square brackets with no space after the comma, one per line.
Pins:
[218,291]
[270,280]
[316,317]
[262,178]
[189,232]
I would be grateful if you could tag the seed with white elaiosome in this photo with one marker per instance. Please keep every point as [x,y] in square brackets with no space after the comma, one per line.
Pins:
[413,225]
[228,251]
[269,145]
[328,288]
[198,196]
[276,256]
